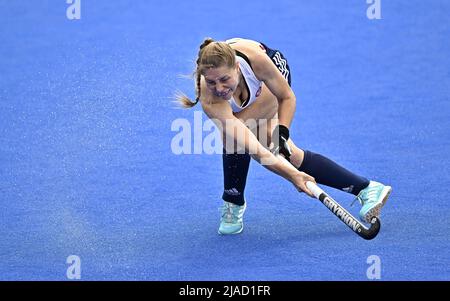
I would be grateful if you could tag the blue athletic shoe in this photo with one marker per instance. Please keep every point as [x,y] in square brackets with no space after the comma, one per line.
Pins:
[373,198]
[232,218]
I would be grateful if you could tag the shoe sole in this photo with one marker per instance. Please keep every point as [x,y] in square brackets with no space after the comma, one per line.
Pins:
[240,231]
[375,211]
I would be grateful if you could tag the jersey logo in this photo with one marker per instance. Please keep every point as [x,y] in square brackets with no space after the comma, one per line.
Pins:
[258,92]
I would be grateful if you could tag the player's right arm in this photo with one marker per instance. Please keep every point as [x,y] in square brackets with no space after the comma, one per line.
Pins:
[221,114]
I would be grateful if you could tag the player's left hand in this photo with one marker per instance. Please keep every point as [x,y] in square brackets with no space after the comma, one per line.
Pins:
[280,137]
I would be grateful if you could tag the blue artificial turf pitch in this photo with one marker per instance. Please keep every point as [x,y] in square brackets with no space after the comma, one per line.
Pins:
[87,169]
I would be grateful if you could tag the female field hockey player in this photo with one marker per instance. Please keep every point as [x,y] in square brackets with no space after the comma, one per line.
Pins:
[239,80]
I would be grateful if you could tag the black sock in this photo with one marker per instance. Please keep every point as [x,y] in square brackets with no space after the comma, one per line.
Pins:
[329,173]
[235,170]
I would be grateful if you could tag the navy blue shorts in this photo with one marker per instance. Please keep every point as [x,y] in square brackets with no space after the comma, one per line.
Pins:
[280,62]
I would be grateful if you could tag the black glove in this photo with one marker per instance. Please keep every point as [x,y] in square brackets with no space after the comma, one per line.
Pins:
[280,137]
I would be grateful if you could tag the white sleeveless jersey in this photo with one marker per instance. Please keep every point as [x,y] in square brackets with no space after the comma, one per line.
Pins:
[253,84]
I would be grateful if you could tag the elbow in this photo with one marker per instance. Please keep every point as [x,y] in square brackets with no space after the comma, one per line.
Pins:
[293,99]
[290,99]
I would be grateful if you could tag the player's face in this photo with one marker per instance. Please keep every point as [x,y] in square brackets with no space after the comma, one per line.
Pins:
[222,81]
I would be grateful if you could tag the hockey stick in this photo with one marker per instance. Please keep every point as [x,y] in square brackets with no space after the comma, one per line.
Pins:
[344,215]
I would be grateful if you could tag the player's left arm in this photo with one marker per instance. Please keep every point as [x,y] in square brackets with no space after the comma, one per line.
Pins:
[266,71]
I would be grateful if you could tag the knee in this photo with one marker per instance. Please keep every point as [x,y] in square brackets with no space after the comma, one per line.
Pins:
[297,155]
